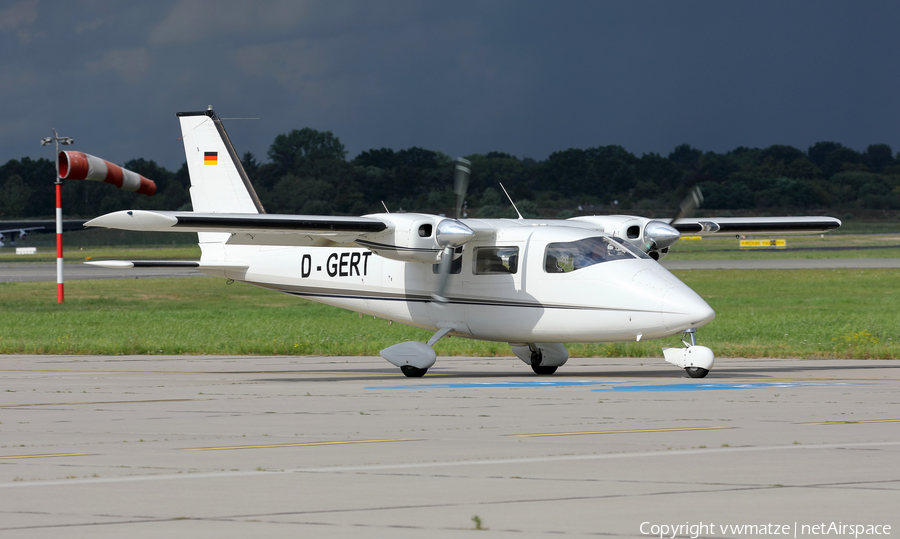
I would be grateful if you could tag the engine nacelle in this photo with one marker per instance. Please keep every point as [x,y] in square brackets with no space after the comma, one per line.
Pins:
[628,227]
[23,234]
[650,235]
[414,237]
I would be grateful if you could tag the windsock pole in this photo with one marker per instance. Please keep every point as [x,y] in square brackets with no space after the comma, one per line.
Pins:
[60,294]
[81,166]
[65,141]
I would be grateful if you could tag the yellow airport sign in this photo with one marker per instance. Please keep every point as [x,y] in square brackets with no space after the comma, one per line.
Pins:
[691,238]
[778,244]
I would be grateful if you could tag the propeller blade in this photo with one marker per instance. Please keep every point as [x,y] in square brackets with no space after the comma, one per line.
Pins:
[461,183]
[446,262]
[451,233]
[688,205]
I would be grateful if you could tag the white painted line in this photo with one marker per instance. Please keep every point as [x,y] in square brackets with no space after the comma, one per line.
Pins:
[444,464]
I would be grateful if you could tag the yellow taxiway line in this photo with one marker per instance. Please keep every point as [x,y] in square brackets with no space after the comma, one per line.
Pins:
[615,431]
[339,442]
[44,456]
[98,402]
[856,421]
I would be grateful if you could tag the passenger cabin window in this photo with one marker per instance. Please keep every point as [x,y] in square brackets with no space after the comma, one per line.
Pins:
[564,257]
[496,260]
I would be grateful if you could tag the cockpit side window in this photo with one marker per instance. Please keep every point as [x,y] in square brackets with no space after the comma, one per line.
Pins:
[495,260]
[564,257]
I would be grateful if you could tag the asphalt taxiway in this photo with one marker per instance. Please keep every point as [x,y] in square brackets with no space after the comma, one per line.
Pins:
[23,272]
[151,446]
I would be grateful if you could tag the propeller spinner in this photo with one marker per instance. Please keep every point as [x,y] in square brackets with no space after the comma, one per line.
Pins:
[659,235]
[452,233]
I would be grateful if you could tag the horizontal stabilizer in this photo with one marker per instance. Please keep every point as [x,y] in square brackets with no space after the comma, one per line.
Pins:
[128,264]
[220,269]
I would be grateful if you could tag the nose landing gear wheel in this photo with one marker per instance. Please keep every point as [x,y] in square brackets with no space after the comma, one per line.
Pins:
[543,370]
[696,372]
[413,372]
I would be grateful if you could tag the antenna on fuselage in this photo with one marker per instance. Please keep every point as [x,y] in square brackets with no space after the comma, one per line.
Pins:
[511,201]
[385,207]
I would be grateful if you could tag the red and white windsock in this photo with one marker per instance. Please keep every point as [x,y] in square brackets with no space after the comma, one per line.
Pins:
[81,166]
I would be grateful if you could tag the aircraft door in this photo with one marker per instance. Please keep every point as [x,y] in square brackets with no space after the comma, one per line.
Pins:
[497,300]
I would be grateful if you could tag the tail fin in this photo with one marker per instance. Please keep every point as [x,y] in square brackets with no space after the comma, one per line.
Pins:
[219,183]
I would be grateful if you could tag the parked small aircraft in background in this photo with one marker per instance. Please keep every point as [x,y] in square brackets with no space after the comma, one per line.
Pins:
[22,232]
[534,283]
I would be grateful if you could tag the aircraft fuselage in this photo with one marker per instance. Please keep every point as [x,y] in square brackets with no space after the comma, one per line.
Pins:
[625,299]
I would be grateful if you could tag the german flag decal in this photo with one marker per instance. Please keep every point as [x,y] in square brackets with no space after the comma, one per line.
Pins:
[210,158]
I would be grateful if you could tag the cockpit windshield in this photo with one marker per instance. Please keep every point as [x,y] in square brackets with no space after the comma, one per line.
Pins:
[564,257]
[633,248]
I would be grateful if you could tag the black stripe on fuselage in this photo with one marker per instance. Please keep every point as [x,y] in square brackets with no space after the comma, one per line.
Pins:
[487,302]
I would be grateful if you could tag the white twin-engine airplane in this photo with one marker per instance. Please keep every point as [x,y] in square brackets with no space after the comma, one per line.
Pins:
[534,283]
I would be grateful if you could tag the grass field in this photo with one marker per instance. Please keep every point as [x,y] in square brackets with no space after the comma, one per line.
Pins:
[760,313]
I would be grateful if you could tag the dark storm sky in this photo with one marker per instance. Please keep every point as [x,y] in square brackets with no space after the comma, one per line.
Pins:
[460,77]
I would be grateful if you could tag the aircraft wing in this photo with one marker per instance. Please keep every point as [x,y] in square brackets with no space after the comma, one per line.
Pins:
[246,228]
[757,225]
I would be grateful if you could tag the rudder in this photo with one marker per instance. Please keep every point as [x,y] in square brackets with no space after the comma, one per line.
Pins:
[219,183]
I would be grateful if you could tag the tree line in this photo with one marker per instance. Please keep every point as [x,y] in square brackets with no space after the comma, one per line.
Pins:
[307,172]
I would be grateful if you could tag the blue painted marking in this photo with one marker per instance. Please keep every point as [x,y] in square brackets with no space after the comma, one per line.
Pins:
[722,386]
[503,384]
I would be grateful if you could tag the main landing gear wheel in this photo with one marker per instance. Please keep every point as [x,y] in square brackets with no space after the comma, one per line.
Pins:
[536,358]
[696,372]
[413,372]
